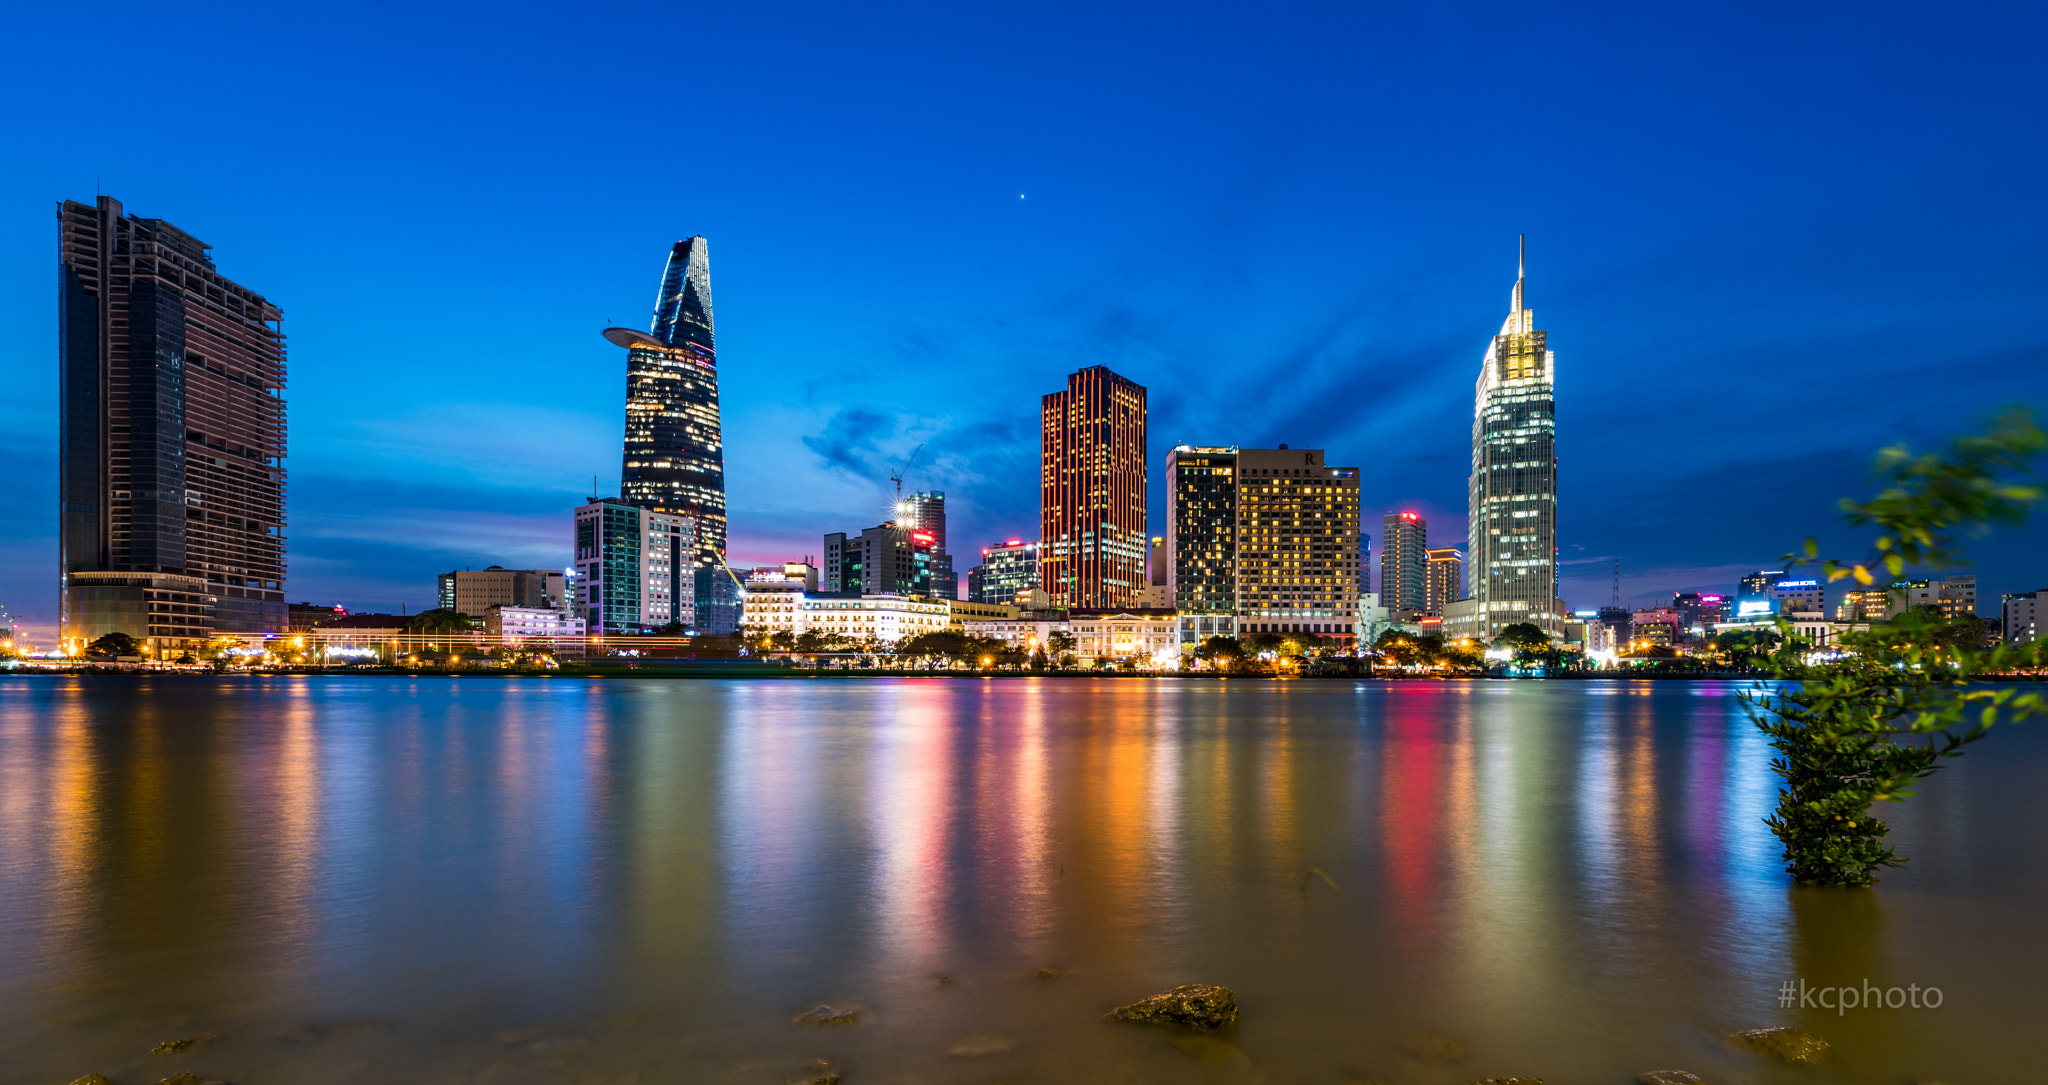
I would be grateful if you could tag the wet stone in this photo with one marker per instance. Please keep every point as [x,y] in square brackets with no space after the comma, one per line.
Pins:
[1509,1081]
[1784,1044]
[92,1079]
[1196,1006]
[172,1047]
[1667,1077]
[187,1077]
[1432,1047]
[828,1016]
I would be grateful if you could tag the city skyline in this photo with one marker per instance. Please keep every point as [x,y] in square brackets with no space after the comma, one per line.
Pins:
[1318,281]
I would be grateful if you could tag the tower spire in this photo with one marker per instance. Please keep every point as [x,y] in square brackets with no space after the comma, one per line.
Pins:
[1516,305]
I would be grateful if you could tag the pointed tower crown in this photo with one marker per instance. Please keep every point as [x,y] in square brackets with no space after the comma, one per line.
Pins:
[1521,265]
[683,308]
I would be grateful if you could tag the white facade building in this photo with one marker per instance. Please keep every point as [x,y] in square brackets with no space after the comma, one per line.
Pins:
[1141,636]
[785,606]
[510,625]
[1020,634]
[2023,617]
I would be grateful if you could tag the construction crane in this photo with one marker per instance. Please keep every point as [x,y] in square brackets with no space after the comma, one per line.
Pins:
[897,476]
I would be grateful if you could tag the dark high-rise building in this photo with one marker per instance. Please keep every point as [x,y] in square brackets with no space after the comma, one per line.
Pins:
[171,437]
[885,559]
[926,512]
[1512,502]
[1404,565]
[675,448]
[1092,491]
[1201,540]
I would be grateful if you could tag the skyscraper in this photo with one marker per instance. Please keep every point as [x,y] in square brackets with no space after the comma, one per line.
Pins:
[1297,533]
[675,450]
[1201,540]
[1404,565]
[1513,492]
[171,436]
[634,567]
[1446,579]
[1092,491]
[926,512]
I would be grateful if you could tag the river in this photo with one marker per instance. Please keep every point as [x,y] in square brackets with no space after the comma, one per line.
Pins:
[336,879]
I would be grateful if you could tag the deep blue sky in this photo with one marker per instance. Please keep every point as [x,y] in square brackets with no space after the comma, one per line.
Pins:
[1764,243]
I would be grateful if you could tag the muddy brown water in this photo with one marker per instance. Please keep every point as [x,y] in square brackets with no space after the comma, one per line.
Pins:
[543,880]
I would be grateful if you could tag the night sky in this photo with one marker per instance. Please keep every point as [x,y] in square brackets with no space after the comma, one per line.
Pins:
[1764,244]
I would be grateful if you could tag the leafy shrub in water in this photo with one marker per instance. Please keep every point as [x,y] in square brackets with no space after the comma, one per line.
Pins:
[1856,729]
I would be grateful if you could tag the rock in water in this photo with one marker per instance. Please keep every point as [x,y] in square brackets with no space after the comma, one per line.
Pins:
[187,1077]
[1667,1077]
[1509,1081]
[92,1079]
[172,1047]
[1197,1006]
[1786,1044]
[826,1015]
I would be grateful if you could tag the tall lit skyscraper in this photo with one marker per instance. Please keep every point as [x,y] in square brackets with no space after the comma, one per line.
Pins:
[675,449]
[1092,491]
[1201,540]
[1513,492]
[1404,565]
[926,512]
[1297,533]
[1446,579]
[171,436]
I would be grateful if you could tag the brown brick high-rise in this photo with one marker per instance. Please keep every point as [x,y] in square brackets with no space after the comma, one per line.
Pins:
[1092,491]
[171,437]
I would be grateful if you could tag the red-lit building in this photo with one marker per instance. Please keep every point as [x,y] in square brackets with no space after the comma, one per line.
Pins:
[1092,491]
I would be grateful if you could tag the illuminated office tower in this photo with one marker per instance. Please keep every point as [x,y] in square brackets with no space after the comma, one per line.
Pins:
[1404,565]
[675,451]
[1201,540]
[171,435]
[634,568]
[1297,543]
[1446,579]
[1092,491]
[1006,568]
[926,512]
[1513,491]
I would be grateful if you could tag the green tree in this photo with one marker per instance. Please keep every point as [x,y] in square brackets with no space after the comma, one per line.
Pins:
[1059,644]
[1259,644]
[1743,646]
[1522,636]
[1857,729]
[1222,653]
[114,644]
[438,621]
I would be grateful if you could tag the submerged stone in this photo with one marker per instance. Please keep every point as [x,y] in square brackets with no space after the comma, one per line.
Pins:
[187,1077]
[1048,973]
[1197,1006]
[1667,1077]
[827,1015]
[1785,1044]
[172,1047]
[92,1079]
[1432,1047]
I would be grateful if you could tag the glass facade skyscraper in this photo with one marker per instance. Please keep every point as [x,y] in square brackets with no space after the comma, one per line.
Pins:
[1513,491]
[1092,491]
[675,450]
[171,437]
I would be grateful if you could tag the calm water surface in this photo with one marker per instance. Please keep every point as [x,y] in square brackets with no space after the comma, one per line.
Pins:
[569,881]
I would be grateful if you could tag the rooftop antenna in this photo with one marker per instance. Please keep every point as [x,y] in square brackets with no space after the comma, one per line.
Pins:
[1617,583]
